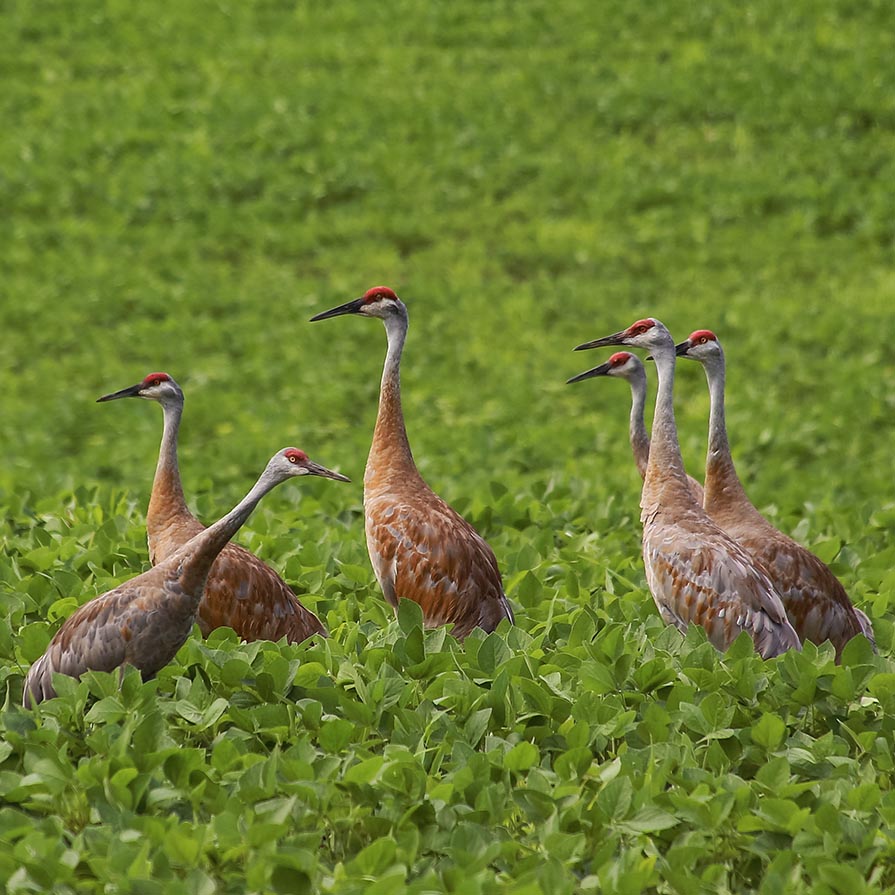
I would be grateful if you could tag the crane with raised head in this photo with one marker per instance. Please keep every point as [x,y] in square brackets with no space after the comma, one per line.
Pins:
[420,548]
[144,621]
[242,592]
[696,573]
[814,599]
[624,365]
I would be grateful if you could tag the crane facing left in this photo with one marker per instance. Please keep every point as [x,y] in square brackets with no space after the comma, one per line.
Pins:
[242,592]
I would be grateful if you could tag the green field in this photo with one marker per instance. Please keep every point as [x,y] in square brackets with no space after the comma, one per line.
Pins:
[183,185]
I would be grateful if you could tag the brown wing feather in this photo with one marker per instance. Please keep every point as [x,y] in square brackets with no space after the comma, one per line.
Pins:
[143,622]
[422,550]
[698,575]
[246,594]
[814,598]
[242,591]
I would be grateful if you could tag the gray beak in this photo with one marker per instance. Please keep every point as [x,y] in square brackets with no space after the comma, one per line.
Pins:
[602,370]
[615,339]
[350,307]
[316,469]
[130,392]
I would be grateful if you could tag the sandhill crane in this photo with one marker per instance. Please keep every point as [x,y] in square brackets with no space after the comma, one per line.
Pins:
[625,365]
[815,601]
[696,573]
[144,621]
[420,548]
[242,592]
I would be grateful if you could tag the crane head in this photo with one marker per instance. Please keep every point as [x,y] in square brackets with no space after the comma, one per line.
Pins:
[380,301]
[291,462]
[647,333]
[701,345]
[622,364]
[154,387]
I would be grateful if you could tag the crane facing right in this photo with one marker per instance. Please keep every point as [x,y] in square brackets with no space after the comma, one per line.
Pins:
[144,621]
[420,548]
[815,600]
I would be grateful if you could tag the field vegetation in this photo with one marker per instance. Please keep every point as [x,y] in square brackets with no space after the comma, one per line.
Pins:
[183,185]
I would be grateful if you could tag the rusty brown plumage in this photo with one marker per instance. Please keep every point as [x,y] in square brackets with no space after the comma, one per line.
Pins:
[696,573]
[420,548]
[242,592]
[144,621]
[814,599]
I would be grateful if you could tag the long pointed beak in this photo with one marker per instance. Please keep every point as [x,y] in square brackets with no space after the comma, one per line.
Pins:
[602,370]
[350,307]
[682,348]
[130,392]
[615,339]
[316,469]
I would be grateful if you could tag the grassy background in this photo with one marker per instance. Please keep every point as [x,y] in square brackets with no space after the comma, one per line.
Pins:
[183,186]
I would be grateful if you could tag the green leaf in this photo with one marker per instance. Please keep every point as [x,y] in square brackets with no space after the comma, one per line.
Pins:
[842,878]
[521,757]
[33,640]
[410,616]
[492,653]
[615,798]
[769,731]
[376,858]
[365,771]
[476,725]
[335,734]
[650,819]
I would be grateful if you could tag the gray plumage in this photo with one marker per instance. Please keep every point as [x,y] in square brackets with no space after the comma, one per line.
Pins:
[144,621]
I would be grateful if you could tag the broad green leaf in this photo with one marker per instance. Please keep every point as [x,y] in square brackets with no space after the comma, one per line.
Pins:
[365,771]
[769,731]
[335,734]
[521,757]
[410,616]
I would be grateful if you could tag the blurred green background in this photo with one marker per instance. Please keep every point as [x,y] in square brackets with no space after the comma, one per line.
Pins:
[183,186]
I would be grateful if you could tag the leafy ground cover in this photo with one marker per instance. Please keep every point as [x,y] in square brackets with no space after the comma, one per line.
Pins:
[183,185]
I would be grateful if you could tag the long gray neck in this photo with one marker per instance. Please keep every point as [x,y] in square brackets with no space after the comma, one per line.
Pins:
[391,448]
[722,484]
[167,458]
[207,545]
[396,332]
[666,481]
[719,446]
[640,442]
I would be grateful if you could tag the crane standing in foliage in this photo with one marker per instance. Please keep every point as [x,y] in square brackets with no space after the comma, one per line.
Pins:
[625,365]
[420,548]
[242,591]
[144,621]
[696,573]
[815,601]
